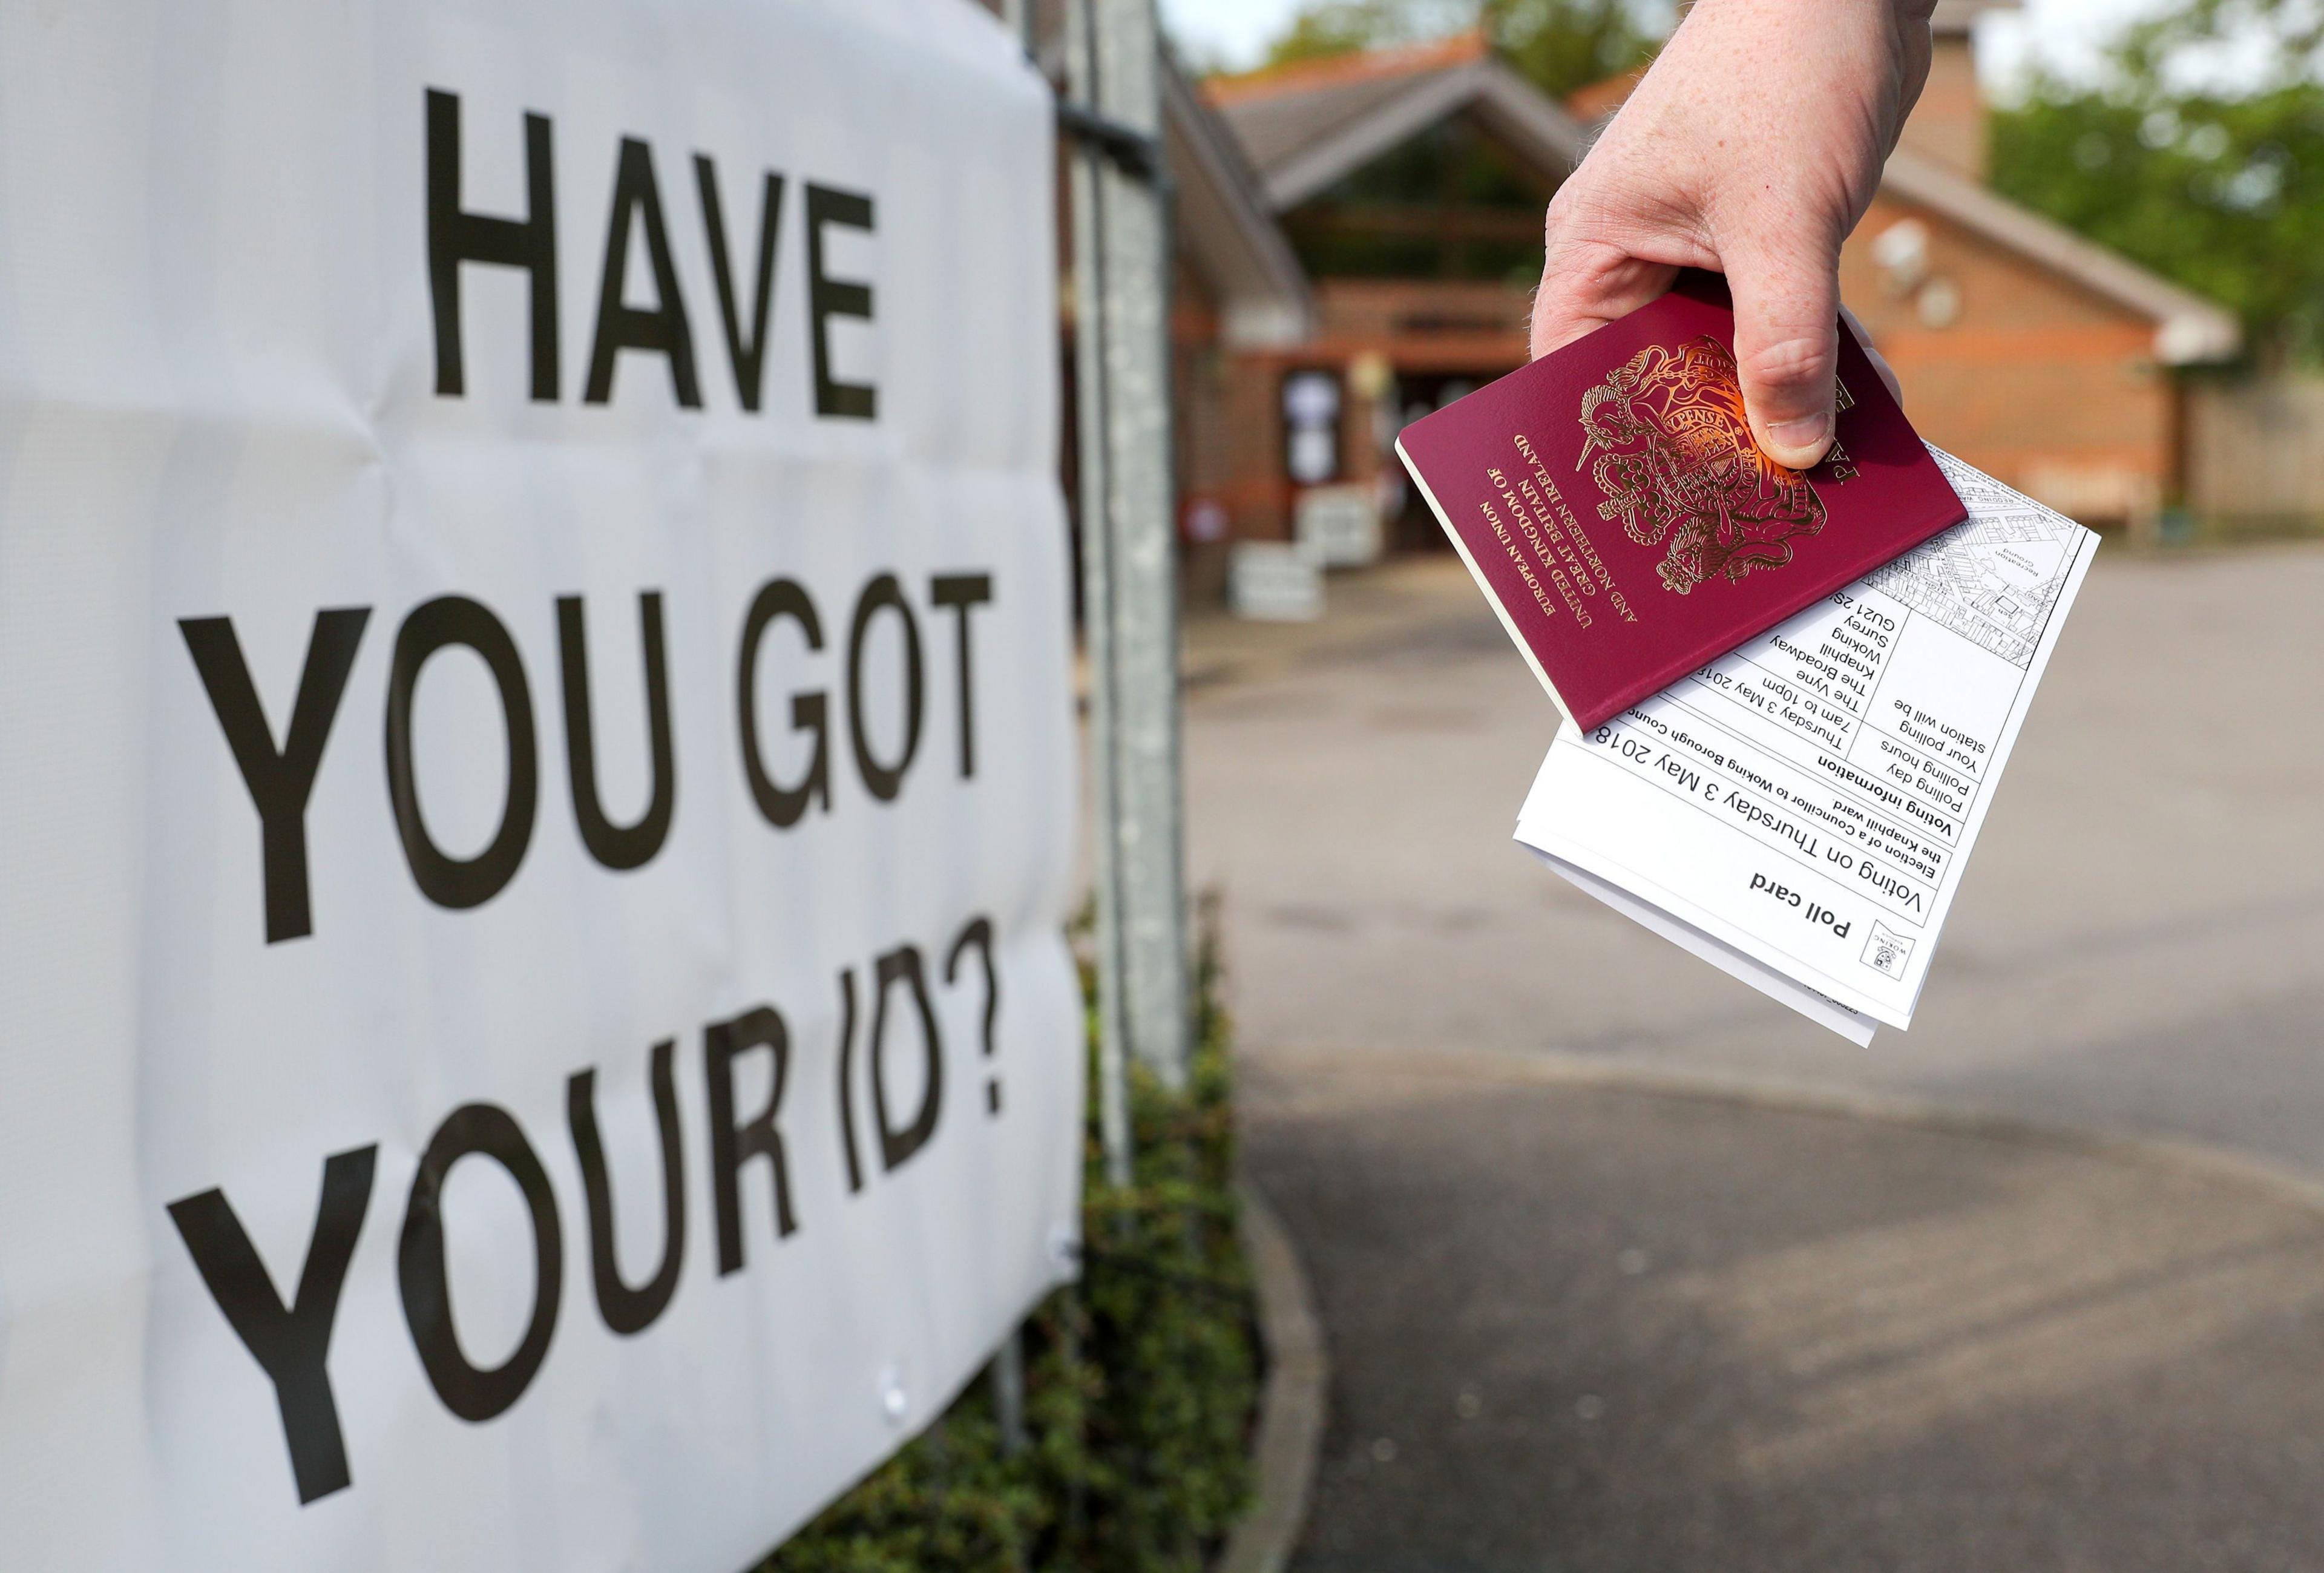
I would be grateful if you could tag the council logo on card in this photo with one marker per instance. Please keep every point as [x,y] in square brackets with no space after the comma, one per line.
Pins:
[1886,951]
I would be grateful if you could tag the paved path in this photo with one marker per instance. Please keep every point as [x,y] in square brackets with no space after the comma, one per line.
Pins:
[1587,1314]
[2138,943]
[1582,1327]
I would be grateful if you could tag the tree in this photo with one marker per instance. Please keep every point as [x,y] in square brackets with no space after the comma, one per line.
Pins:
[2215,182]
[1560,45]
[1322,29]
[1563,45]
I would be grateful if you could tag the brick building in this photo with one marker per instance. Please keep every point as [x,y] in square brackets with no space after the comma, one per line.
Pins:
[1241,297]
[1410,184]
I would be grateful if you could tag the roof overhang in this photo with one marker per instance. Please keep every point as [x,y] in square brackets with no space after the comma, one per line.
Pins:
[1224,222]
[1508,106]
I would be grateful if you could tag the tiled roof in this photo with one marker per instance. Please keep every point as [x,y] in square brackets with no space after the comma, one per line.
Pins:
[1226,222]
[1278,115]
[1306,126]
[1341,70]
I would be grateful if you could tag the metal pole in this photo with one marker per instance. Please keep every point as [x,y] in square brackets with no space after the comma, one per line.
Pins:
[1008,1392]
[1121,291]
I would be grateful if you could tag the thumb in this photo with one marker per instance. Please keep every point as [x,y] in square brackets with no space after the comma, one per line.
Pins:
[1786,345]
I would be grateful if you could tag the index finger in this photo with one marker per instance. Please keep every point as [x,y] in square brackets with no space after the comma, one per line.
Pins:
[1585,286]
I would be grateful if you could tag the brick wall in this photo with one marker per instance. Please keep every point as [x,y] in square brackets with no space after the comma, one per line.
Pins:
[1949,122]
[1473,329]
[2046,385]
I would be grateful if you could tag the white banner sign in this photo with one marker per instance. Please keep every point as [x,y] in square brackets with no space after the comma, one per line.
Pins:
[536,770]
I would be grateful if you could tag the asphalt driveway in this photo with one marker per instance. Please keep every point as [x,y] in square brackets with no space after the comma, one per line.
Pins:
[1626,1268]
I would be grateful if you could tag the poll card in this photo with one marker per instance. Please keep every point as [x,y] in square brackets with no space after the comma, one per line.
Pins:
[1799,812]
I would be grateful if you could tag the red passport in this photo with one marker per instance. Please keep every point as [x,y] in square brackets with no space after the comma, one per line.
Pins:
[1612,506]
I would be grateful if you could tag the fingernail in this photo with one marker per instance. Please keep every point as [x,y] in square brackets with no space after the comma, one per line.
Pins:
[1806,431]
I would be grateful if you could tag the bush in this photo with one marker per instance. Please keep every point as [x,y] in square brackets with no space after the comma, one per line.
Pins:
[1140,1382]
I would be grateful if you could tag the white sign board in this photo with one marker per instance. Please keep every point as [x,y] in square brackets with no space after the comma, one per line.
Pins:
[1273,581]
[536,770]
[1339,526]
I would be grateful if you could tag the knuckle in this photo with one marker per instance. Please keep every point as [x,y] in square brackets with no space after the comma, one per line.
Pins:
[1797,364]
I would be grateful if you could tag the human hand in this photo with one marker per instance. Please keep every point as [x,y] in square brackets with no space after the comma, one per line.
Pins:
[1751,148]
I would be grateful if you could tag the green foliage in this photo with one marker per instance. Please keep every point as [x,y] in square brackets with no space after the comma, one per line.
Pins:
[2283,40]
[1322,29]
[2213,179]
[1563,45]
[1560,45]
[1140,1382]
[2224,196]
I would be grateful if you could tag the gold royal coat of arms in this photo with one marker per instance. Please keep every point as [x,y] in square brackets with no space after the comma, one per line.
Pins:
[1678,464]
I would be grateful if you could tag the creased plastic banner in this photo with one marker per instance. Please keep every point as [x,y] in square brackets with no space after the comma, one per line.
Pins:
[536,770]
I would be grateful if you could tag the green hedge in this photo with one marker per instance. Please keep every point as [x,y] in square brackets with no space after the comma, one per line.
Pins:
[1140,1382]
